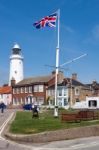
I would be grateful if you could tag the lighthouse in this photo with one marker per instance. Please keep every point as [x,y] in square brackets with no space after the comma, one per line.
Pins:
[16,64]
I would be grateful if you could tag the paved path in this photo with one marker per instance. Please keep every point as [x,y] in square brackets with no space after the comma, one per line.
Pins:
[6,144]
[91,143]
[4,116]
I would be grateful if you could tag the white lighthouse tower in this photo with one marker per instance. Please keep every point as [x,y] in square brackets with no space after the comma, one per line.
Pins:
[16,64]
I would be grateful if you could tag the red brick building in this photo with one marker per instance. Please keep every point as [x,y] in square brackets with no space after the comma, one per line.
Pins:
[41,90]
[31,90]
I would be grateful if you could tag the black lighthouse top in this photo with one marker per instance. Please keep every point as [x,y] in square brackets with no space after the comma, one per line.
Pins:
[16,50]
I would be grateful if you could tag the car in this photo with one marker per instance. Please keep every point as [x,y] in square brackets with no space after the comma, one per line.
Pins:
[27,107]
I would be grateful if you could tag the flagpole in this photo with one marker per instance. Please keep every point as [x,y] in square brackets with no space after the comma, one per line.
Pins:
[57,66]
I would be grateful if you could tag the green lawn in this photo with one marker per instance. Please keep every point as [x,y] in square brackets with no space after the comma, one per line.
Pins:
[25,124]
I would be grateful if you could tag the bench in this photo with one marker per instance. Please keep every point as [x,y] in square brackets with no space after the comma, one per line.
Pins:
[71,117]
[88,115]
[81,115]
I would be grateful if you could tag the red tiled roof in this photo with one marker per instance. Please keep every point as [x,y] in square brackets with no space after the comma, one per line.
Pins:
[5,90]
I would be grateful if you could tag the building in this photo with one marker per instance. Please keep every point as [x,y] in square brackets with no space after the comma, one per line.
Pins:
[94,86]
[92,101]
[70,91]
[16,64]
[30,90]
[6,94]
[40,90]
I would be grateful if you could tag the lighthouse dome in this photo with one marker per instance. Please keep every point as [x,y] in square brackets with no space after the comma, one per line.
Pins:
[16,49]
[16,46]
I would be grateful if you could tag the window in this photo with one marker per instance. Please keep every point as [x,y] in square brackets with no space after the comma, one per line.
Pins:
[59,102]
[26,90]
[35,88]
[65,102]
[21,100]
[92,103]
[38,88]
[14,101]
[18,90]
[22,89]
[40,100]
[77,92]
[30,89]
[1,95]
[65,92]
[14,91]
[51,92]
[60,92]
[26,100]
[41,88]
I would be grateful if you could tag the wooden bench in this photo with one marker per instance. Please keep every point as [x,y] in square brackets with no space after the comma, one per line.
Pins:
[81,115]
[88,115]
[70,118]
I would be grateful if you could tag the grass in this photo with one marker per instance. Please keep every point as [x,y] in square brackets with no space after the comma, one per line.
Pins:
[25,124]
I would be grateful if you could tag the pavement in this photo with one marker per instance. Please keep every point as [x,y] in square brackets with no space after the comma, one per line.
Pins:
[4,143]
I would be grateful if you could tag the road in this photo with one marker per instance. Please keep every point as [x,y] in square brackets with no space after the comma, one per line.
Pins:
[91,143]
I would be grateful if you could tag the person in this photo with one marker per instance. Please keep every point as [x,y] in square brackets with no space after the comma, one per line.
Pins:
[2,107]
[34,111]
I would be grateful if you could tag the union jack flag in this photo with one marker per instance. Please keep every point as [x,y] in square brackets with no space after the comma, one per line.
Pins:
[48,21]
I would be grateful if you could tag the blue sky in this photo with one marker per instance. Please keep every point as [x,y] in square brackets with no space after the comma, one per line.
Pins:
[79,34]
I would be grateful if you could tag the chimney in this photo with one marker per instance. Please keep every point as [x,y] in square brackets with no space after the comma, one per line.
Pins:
[13,82]
[94,83]
[74,76]
[60,76]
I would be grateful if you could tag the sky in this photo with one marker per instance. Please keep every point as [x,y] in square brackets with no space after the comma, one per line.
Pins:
[79,34]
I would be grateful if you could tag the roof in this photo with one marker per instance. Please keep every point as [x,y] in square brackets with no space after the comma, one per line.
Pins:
[73,82]
[5,90]
[70,81]
[34,80]
[94,86]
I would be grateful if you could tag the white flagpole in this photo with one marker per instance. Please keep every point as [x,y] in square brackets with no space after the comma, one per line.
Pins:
[57,66]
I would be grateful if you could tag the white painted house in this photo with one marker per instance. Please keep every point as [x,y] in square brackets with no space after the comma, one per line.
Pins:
[70,92]
[89,103]
[62,97]
[5,94]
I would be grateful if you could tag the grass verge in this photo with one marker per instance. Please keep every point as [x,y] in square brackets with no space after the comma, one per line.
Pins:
[25,124]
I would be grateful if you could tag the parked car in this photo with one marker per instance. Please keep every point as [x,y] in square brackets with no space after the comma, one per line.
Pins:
[27,107]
